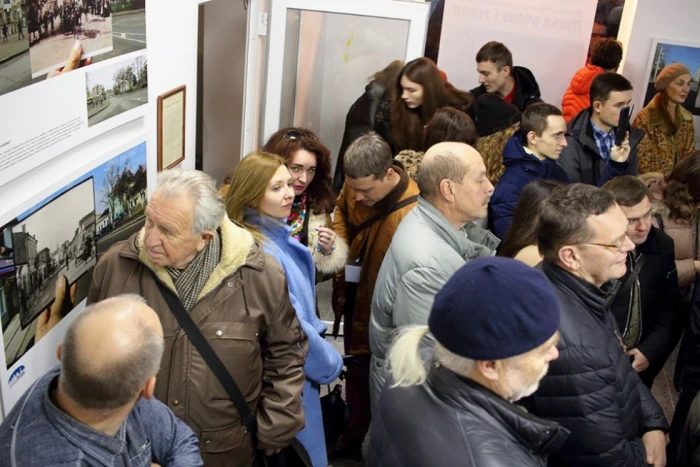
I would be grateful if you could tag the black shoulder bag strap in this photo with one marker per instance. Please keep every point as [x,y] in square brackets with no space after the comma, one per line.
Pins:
[401,204]
[209,355]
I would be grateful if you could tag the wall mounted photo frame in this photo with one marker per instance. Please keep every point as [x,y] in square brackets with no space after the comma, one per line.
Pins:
[171,128]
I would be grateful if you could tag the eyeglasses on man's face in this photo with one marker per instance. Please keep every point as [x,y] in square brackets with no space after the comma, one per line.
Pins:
[614,247]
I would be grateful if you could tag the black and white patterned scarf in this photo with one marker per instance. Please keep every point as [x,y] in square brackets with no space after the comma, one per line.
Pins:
[190,281]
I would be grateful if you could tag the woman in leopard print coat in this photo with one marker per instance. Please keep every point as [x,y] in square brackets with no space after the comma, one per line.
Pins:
[668,127]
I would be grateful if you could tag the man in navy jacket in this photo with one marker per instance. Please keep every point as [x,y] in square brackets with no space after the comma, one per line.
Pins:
[532,154]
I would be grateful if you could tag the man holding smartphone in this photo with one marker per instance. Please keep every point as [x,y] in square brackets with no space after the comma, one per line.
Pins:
[601,134]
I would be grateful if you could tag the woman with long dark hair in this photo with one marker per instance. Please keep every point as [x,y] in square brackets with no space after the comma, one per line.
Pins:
[521,241]
[310,165]
[447,125]
[419,92]
[370,112]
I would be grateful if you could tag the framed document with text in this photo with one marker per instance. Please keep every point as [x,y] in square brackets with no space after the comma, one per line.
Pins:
[171,128]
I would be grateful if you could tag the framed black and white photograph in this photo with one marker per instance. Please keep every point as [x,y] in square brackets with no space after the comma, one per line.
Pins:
[55,242]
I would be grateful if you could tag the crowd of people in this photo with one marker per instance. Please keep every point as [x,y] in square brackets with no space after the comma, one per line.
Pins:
[489,253]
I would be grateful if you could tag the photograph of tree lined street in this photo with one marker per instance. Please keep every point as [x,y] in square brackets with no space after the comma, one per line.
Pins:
[120,197]
[128,35]
[118,188]
[55,25]
[115,89]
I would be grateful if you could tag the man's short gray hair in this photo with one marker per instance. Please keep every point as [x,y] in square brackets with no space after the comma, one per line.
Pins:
[446,165]
[93,385]
[209,208]
[368,155]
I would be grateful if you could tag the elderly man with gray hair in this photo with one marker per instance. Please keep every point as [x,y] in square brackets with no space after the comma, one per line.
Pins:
[97,407]
[495,323]
[433,241]
[190,252]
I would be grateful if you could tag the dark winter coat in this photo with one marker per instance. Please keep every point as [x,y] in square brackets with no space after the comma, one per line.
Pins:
[591,389]
[527,91]
[661,300]
[521,169]
[581,159]
[455,421]
[370,112]
[688,451]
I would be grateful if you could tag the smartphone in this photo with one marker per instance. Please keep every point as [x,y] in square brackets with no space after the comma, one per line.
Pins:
[623,125]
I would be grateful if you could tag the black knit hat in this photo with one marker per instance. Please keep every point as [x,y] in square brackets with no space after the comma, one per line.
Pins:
[494,114]
[494,308]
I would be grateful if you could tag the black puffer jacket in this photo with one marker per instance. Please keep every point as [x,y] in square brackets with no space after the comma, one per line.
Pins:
[527,91]
[453,421]
[591,389]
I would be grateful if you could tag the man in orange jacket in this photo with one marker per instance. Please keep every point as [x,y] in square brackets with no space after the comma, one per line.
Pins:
[606,55]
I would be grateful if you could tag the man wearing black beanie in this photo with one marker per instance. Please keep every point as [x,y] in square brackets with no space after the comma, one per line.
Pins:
[592,389]
[492,348]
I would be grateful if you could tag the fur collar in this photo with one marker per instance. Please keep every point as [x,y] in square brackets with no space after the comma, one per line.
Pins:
[236,244]
[656,117]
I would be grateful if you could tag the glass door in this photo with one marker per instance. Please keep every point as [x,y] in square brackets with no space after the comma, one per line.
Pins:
[321,54]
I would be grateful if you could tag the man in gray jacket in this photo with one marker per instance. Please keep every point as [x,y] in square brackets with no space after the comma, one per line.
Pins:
[432,242]
[97,407]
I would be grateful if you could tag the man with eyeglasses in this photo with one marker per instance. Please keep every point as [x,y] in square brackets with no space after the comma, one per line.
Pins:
[592,390]
[649,299]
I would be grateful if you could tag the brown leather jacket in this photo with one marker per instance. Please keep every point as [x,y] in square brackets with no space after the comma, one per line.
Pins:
[348,216]
[245,313]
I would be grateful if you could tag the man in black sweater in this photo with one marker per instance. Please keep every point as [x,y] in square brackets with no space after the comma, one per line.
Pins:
[649,298]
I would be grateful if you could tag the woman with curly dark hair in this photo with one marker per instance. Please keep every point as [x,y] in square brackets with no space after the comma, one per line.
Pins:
[680,221]
[420,91]
[681,196]
[310,166]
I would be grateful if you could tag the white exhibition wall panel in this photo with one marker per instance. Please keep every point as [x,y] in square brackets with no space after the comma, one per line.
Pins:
[55,131]
[55,236]
[550,37]
[53,116]
[47,109]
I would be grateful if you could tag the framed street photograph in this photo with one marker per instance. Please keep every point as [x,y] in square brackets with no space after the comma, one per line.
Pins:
[171,128]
